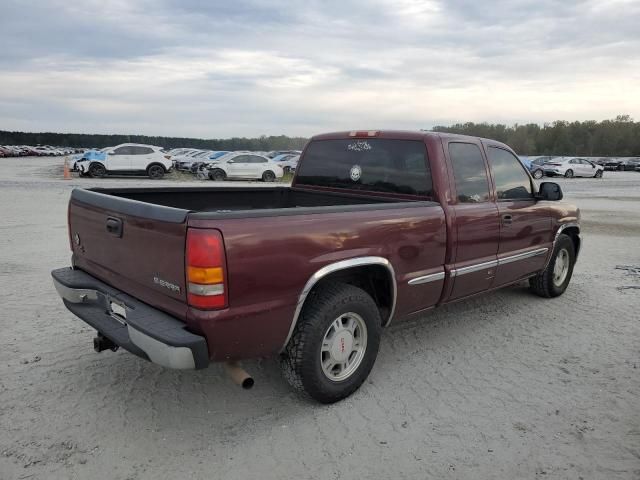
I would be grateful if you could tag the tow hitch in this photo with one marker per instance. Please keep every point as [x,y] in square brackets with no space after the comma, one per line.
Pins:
[101,343]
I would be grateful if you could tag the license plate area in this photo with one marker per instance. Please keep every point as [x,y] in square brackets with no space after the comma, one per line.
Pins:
[118,311]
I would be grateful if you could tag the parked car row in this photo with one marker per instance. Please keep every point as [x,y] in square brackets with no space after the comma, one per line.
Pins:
[562,166]
[155,162]
[37,151]
[221,165]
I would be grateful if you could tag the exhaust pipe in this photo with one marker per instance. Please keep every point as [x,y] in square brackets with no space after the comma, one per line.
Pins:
[239,374]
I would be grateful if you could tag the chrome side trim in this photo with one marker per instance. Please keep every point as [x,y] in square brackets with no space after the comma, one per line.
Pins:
[473,268]
[334,267]
[434,277]
[523,256]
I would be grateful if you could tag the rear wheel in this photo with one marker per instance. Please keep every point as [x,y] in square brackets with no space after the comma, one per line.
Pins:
[268,176]
[554,280]
[217,175]
[538,174]
[334,344]
[568,173]
[155,172]
[97,170]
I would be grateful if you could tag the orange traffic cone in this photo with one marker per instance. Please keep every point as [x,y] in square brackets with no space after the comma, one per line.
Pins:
[67,173]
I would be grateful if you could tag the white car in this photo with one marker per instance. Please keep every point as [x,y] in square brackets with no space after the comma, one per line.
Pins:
[246,166]
[128,159]
[572,167]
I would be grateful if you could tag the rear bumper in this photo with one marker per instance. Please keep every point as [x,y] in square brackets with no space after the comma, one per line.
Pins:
[145,332]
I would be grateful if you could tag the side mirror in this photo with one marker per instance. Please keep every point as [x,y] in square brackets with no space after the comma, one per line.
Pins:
[549,191]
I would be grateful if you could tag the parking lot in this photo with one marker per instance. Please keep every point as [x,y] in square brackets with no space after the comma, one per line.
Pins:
[507,385]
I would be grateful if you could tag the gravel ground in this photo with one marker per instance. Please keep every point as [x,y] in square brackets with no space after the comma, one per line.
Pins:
[506,385]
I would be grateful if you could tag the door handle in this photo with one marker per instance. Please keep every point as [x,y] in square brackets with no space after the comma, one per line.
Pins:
[114,226]
[507,219]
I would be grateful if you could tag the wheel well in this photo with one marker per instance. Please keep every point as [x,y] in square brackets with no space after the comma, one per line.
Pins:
[574,234]
[373,279]
[97,163]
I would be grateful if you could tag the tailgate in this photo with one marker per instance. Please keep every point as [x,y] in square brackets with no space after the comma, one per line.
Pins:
[133,246]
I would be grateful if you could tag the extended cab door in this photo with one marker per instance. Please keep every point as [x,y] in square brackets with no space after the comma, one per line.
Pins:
[476,219]
[525,224]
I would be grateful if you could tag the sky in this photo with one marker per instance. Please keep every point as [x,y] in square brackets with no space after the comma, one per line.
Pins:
[212,69]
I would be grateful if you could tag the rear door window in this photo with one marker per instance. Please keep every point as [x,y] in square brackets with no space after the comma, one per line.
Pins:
[470,173]
[371,164]
[512,181]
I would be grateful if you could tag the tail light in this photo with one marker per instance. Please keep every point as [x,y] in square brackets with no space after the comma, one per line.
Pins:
[206,269]
[364,133]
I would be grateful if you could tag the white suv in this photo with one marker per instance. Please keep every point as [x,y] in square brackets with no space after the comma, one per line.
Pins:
[244,165]
[128,159]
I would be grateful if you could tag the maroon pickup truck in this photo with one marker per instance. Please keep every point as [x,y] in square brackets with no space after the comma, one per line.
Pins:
[377,226]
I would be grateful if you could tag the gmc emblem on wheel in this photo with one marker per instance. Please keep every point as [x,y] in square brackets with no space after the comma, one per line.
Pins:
[163,283]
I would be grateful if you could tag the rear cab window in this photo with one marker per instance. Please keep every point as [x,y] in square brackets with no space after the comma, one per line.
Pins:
[470,173]
[367,164]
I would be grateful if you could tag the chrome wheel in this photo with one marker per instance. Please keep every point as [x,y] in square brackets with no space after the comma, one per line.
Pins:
[561,267]
[343,346]
[538,174]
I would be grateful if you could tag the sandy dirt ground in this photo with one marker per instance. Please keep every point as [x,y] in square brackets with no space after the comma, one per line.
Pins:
[504,386]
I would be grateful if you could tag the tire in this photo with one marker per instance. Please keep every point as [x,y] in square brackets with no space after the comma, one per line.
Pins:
[155,172]
[538,174]
[268,176]
[598,174]
[317,337]
[97,170]
[218,175]
[286,170]
[549,283]
[568,173]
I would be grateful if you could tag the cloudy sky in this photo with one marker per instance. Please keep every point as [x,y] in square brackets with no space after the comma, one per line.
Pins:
[217,69]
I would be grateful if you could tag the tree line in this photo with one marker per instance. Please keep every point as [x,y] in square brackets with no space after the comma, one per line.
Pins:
[617,137]
[81,140]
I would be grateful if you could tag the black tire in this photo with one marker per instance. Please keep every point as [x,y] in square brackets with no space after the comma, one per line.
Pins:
[268,176]
[301,361]
[568,173]
[598,174]
[286,170]
[155,172]
[97,170]
[543,284]
[217,174]
[538,174]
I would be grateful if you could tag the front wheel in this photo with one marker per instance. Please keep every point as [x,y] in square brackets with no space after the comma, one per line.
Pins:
[334,344]
[97,170]
[568,173]
[554,280]
[598,174]
[538,174]
[217,175]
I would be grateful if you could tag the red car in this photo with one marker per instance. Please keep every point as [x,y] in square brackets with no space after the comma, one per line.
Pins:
[377,226]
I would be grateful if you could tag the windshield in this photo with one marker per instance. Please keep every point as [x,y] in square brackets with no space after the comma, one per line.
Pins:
[381,165]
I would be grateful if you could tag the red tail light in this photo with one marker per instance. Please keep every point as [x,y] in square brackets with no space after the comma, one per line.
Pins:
[206,269]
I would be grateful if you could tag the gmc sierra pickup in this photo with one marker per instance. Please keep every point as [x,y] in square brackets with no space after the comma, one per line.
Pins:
[377,226]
